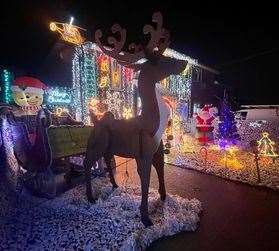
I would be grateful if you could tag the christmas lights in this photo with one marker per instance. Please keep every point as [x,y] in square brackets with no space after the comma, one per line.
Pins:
[228,134]
[58,95]
[96,75]
[114,101]
[60,110]
[127,113]
[5,91]
[69,32]
[103,62]
[265,146]
[8,146]
[229,159]
[84,79]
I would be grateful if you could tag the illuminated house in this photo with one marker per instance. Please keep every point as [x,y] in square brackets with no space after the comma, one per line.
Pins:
[99,80]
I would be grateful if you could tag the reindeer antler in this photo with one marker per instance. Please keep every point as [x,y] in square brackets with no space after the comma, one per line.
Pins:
[157,34]
[155,45]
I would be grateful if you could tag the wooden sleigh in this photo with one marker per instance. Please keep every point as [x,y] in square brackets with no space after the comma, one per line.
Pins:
[58,141]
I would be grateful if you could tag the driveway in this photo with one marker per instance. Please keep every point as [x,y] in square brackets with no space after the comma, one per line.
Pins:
[235,216]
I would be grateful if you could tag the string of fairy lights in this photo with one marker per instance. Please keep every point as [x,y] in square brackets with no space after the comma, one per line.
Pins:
[5,89]
[96,75]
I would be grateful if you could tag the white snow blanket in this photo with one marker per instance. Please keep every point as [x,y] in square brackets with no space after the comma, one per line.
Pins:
[69,222]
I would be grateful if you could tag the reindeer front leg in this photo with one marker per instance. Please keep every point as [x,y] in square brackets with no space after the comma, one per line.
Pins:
[144,168]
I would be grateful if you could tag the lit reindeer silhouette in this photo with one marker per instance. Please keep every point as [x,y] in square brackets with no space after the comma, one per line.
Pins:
[140,137]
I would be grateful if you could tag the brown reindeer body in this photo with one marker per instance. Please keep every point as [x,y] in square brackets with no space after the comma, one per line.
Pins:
[140,137]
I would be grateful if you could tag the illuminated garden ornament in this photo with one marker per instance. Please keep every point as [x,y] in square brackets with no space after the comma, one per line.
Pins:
[229,159]
[59,95]
[265,146]
[69,32]
[127,113]
[227,129]
[60,111]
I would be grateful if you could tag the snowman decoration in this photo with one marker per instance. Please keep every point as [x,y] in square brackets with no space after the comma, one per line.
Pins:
[28,95]
[204,119]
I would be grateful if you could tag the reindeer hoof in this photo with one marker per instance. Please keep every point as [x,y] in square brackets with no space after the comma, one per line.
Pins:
[90,199]
[163,197]
[146,221]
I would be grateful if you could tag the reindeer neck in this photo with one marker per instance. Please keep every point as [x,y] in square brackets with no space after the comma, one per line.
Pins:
[150,111]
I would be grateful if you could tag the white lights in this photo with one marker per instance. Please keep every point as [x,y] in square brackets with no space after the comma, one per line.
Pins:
[59,96]
[71,20]
[118,90]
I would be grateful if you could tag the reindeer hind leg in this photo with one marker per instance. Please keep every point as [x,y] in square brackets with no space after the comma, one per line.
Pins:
[158,163]
[89,161]
[144,168]
[108,160]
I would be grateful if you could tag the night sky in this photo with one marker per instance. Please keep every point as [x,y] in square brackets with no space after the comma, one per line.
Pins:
[241,41]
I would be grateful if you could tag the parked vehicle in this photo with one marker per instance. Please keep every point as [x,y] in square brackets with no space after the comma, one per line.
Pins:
[258,112]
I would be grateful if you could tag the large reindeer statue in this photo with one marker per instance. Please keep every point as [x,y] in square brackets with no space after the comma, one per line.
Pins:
[140,137]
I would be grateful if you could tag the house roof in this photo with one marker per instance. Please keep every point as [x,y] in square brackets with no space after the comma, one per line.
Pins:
[170,53]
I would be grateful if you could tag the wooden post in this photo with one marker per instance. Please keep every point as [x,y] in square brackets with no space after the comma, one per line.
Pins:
[257,166]
[254,146]
[205,155]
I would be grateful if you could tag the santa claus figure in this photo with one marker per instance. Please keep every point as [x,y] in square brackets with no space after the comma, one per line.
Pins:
[204,126]
[28,95]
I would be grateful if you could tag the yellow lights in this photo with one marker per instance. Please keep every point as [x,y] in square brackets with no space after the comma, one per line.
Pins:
[104,71]
[164,83]
[265,146]
[104,81]
[229,159]
[98,108]
[69,32]
[186,70]
[104,65]
[176,123]
[115,77]
[60,111]
[52,26]
[186,144]
[127,113]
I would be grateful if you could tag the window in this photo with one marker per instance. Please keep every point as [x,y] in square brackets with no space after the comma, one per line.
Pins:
[243,115]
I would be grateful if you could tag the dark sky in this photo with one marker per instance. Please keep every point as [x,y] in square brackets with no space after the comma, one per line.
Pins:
[239,40]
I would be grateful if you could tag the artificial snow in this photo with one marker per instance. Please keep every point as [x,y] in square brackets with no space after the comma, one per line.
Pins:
[240,166]
[69,222]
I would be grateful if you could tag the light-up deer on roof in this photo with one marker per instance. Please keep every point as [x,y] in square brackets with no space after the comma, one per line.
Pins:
[140,137]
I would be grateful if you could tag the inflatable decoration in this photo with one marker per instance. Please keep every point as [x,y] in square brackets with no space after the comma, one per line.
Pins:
[204,126]
[28,95]
[139,137]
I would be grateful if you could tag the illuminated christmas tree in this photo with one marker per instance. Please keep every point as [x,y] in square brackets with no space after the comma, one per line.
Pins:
[228,134]
[265,146]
